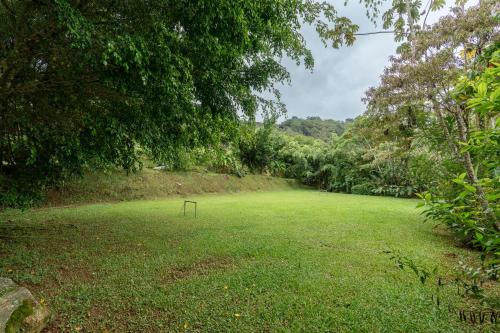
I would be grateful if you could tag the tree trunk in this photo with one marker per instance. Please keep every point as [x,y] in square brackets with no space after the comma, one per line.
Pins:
[446,131]
[471,174]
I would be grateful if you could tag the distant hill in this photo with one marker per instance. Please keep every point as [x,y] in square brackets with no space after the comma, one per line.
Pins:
[315,127]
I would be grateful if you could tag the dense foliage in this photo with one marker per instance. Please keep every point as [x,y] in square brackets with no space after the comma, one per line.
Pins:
[440,96]
[315,127]
[349,163]
[89,82]
[473,212]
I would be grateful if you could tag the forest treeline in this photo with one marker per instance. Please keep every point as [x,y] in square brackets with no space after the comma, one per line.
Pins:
[315,127]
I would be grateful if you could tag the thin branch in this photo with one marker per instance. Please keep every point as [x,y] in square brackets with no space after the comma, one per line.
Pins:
[375,33]
[428,11]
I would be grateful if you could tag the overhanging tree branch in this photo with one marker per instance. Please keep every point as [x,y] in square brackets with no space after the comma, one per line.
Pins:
[375,33]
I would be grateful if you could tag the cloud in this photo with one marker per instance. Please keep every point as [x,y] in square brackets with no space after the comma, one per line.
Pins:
[341,76]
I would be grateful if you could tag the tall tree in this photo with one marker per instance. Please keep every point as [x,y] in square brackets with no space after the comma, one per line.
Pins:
[424,74]
[86,81]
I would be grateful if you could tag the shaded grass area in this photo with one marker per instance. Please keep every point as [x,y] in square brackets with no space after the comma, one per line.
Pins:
[116,185]
[300,261]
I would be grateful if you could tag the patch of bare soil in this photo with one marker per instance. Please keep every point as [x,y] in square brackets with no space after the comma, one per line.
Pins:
[200,268]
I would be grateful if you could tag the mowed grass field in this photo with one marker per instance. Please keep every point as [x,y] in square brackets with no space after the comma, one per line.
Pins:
[291,261]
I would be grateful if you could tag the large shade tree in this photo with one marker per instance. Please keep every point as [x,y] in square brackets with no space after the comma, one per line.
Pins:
[94,81]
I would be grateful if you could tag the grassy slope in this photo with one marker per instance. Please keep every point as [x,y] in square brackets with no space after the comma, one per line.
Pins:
[150,184]
[277,261]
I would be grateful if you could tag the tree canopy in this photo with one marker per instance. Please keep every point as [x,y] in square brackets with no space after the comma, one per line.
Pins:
[315,127]
[98,81]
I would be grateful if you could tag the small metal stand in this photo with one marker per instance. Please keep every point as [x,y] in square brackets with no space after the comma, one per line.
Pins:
[195,206]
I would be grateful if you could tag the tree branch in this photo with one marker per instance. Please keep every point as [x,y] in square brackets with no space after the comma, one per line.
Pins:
[9,10]
[374,33]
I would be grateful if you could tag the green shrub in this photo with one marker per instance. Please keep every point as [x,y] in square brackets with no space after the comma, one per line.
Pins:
[364,188]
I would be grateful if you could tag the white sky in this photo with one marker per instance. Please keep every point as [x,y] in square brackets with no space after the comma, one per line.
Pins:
[341,76]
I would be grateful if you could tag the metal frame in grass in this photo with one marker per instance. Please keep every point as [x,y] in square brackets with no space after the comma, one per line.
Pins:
[195,206]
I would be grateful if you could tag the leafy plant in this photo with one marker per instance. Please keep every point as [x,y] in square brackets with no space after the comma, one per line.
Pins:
[468,281]
[86,83]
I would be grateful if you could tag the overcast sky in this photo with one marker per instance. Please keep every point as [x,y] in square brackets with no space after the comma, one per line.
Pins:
[341,76]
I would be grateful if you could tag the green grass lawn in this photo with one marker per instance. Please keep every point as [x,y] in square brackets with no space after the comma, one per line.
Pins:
[292,261]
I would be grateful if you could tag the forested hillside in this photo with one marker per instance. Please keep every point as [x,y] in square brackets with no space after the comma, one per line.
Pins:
[315,127]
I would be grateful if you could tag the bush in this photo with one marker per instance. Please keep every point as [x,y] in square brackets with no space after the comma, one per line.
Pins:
[17,194]
[364,188]
[403,191]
